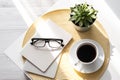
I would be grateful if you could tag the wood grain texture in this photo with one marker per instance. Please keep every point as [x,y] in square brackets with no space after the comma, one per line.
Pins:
[6,3]
[11,19]
[65,71]
[11,27]
[10,71]
[35,8]
[8,36]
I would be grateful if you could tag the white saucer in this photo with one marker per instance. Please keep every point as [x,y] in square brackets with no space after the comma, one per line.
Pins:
[90,68]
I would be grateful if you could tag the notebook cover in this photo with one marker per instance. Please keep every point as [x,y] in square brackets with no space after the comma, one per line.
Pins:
[51,72]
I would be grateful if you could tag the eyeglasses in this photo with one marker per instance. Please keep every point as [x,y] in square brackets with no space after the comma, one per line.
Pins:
[52,42]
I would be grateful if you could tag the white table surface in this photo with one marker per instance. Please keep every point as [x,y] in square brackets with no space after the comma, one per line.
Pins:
[110,22]
[12,25]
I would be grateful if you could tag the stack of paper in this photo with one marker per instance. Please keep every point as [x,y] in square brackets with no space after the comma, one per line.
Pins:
[41,61]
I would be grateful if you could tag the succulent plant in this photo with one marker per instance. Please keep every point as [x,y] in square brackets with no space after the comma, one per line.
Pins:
[83,14]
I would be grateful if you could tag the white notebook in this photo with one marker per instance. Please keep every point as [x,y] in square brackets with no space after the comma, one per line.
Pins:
[42,59]
[51,72]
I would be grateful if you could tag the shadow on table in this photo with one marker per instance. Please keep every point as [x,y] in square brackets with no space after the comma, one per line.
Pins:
[115,6]
[111,49]
[106,76]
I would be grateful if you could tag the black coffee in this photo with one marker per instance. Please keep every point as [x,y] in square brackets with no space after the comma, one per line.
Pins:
[86,53]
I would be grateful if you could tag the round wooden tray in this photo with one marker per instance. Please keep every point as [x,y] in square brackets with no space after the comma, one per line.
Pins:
[65,70]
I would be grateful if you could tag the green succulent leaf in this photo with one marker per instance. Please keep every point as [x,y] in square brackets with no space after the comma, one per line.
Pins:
[73,18]
[80,23]
[93,16]
[89,19]
[83,14]
[86,24]
[77,20]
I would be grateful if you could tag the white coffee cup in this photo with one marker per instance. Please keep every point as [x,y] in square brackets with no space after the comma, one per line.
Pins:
[87,53]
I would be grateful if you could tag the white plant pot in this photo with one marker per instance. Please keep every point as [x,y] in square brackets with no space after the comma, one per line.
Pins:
[82,29]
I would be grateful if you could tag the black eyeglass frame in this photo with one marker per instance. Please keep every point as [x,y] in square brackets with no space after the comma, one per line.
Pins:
[34,40]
